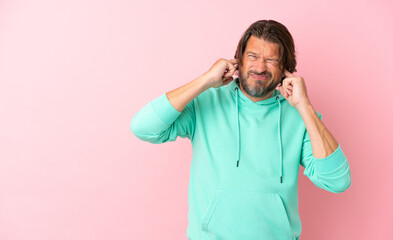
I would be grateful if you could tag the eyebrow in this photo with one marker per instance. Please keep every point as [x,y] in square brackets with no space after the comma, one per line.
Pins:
[272,58]
[251,52]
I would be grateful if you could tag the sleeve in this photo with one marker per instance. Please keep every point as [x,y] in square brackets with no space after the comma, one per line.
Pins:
[331,173]
[159,121]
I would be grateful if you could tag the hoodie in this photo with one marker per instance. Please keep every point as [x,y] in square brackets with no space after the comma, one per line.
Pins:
[245,162]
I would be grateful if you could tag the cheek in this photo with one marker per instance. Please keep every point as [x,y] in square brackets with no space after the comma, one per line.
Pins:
[276,73]
[244,69]
[250,67]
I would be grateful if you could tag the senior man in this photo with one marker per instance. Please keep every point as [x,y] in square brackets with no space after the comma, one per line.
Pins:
[249,136]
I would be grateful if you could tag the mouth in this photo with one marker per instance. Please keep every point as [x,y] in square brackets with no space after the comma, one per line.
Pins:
[259,77]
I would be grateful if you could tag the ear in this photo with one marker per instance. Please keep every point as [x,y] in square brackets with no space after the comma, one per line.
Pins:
[282,68]
[239,62]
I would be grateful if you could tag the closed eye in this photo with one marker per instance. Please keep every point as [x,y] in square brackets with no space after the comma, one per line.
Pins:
[272,61]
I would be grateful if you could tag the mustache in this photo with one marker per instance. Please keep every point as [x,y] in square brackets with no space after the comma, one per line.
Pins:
[264,73]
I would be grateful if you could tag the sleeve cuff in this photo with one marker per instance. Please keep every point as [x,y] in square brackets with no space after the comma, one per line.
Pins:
[331,162]
[164,109]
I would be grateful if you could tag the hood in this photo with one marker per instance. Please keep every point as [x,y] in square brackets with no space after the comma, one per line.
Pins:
[241,99]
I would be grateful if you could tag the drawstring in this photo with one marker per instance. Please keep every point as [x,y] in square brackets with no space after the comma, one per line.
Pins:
[237,127]
[238,131]
[279,134]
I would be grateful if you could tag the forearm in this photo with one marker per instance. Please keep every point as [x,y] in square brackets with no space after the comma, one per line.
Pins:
[180,97]
[322,141]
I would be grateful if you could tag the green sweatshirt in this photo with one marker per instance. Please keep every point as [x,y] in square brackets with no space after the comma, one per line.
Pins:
[245,162]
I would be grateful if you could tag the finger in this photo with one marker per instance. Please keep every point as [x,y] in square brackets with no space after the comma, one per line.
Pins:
[230,71]
[226,81]
[228,74]
[282,91]
[288,88]
[285,91]
[288,74]
[287,82]
[233,61]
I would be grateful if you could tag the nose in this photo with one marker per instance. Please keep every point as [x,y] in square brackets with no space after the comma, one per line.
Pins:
[260,65]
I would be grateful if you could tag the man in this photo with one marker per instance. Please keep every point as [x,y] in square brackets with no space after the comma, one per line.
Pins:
[249,136]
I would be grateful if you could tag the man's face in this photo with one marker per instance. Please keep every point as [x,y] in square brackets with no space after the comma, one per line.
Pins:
[261,71]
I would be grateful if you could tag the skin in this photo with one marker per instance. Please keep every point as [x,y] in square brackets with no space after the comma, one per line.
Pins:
[293,89]
[260,58]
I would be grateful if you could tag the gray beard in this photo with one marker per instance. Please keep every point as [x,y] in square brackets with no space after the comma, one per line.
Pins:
[259,90]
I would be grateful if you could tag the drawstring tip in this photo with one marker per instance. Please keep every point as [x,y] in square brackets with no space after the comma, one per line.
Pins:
[237,164]
[280,179]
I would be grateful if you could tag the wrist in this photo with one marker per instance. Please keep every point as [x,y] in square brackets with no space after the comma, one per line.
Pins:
[305,108]
[204,81]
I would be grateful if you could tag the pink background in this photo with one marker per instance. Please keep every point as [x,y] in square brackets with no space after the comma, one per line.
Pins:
[73,73]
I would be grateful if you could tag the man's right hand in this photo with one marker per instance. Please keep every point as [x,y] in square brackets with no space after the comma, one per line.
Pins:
[221,72]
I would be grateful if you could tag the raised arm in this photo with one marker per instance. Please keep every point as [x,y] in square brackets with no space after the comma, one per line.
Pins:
[322,157]
[172,114]
[219,74]
[322,141]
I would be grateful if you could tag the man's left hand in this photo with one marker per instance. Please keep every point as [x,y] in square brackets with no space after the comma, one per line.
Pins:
[293,89]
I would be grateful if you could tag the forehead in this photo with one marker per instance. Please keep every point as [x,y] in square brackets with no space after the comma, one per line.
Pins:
[261,46]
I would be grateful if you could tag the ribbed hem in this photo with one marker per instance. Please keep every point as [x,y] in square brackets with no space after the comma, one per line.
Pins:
[164,109]
[331,162]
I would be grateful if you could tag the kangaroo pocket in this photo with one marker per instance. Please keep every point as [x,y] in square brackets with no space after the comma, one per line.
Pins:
[246,216]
